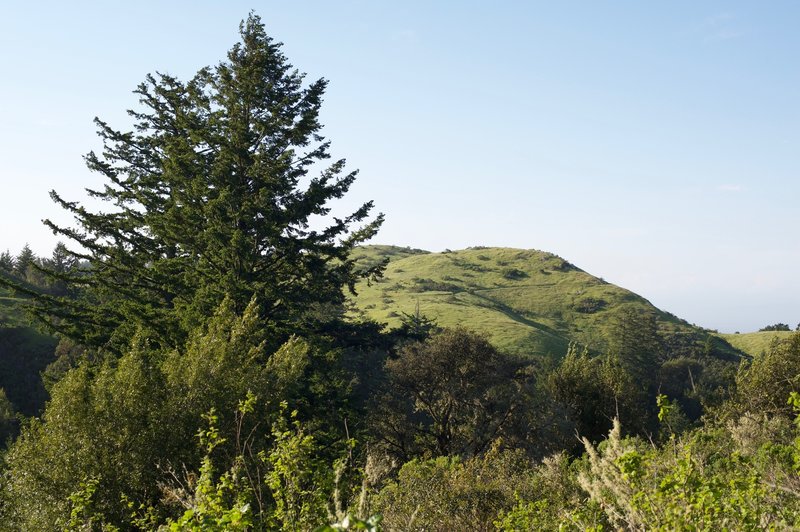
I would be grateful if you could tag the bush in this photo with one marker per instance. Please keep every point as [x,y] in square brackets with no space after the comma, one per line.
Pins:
[513,274]
[447,493]
[590,305]
[429,285]
[775,327]
[763,385]
[451,394]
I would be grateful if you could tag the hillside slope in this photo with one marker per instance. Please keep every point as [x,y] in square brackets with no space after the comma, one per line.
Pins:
[528,302]
[755,343]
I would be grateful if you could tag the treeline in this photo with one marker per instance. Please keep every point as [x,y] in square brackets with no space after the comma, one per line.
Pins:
[40,273]
[211,376]
[778,327]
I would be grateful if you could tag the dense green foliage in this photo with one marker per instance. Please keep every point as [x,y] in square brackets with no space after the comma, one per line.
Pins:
[736,473]
[450,395]
[129,424]
[764,385]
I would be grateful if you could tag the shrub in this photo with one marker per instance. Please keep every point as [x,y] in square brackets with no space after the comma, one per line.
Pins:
[590,305]
[513,274]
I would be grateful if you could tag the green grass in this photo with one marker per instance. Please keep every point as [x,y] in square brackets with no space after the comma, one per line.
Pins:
[755,343]
[528,302]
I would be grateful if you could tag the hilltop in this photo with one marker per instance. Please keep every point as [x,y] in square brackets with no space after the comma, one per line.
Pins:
[528,302]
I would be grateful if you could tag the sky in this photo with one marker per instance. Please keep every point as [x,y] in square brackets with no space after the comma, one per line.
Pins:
[654,144]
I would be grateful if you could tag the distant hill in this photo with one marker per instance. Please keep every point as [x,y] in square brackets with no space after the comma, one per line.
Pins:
[755,343]
[528,302]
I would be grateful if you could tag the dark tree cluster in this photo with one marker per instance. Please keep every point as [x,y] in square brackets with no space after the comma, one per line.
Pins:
[776,327]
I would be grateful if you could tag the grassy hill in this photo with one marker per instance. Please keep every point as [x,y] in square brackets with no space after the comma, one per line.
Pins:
[527,301]
[755,343]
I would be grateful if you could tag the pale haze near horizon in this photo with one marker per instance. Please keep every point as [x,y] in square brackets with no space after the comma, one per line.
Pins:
[655,146]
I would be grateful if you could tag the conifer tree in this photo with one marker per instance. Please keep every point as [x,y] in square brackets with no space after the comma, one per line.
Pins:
[6,262]
[212,193]
[637,346]
[23,261]
[62,260]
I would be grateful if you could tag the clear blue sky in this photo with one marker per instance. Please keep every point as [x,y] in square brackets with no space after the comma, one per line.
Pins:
[654,144]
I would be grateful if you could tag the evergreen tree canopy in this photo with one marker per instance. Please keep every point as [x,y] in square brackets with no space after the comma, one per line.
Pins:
[6,262]
[212,193]
[23,261]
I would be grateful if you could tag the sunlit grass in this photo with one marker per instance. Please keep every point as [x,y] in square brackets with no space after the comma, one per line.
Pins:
[528,302]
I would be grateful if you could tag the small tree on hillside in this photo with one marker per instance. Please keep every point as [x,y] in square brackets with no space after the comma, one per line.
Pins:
[416,326]
[6,262]
[594,391]
[61,264]
[635,343]
[24,261]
